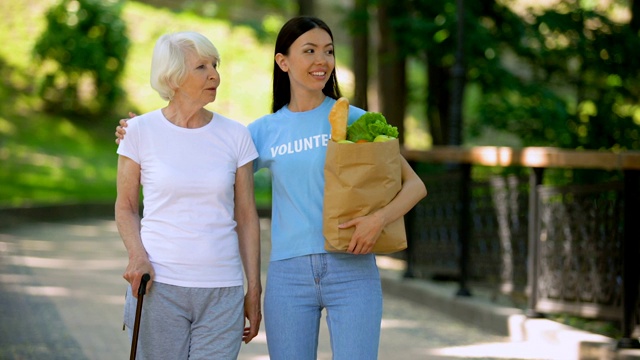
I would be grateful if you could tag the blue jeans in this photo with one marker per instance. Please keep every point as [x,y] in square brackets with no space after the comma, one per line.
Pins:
[347,286]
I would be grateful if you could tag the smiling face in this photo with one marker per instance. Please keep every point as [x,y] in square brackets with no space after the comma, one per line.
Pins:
[201,81]
[310,61]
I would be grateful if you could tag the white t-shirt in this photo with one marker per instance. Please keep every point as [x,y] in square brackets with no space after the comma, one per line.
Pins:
[187,178]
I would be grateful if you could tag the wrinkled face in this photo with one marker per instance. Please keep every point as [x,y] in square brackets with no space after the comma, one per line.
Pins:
[202,80]
[310,61]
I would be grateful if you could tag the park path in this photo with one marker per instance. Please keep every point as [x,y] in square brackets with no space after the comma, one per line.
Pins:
[61,297]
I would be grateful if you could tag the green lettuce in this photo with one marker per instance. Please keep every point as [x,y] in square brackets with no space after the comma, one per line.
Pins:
[370,125]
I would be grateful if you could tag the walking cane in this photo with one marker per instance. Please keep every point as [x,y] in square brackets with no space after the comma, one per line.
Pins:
[136,326]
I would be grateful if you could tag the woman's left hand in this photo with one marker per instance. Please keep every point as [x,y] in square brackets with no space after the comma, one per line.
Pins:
[252,313]
[367,230]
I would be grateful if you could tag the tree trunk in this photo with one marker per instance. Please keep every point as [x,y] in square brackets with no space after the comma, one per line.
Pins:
[360,63]
[306,7]
[438,101]
[634,24]
[458,76]
[391,69]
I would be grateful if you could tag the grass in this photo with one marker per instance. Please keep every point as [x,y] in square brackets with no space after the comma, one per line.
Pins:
[47,161]
[50,159]
[601,327]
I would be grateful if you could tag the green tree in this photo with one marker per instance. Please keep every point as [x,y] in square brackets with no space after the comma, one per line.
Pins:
[594,60]
[425,32]
[564,76]
[391,65]
[358,22]
[82,51]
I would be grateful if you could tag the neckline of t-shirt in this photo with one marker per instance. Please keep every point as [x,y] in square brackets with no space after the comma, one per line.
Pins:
[188,130]
[288,113]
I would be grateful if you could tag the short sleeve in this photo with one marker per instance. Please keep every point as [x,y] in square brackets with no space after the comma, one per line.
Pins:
[129,145]
[246,148]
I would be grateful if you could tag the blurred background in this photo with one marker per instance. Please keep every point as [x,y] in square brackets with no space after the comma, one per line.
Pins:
[560,73]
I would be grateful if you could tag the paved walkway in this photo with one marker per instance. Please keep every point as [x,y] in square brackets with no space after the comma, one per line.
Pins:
[61,297]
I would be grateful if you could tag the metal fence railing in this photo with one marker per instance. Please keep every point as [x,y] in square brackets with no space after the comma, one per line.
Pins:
[565,248]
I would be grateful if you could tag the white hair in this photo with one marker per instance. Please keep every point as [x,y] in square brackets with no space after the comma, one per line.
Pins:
[168,65]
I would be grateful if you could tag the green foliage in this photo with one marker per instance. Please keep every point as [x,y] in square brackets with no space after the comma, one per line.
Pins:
[593,57]
[83,51]
[51,158]
[259,15]
[428,27]
[563,76]
[47,158]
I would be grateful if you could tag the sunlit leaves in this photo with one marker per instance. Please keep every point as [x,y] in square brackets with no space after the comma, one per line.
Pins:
[557,75]
[87,42]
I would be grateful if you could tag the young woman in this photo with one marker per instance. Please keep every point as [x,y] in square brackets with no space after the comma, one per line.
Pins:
[303,279]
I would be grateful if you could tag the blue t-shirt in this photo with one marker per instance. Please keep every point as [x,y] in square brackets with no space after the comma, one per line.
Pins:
[293,145]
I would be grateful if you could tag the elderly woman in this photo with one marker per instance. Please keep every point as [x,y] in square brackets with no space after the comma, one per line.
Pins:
[199,227]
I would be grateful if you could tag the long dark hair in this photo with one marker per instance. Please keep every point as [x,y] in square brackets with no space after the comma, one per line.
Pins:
[289,33]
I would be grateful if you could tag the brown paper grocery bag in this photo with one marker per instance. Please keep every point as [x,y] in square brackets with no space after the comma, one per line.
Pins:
[360,179]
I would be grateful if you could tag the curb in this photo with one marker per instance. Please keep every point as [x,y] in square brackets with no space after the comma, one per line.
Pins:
[15,216]
[57,212]
[506,321]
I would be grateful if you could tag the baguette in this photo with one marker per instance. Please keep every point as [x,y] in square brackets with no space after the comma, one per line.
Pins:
[338,117]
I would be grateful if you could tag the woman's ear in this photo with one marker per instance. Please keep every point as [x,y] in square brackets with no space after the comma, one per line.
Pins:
[281,60]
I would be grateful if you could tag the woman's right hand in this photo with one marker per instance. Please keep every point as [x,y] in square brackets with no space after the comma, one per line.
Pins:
[120,132]
[137,267]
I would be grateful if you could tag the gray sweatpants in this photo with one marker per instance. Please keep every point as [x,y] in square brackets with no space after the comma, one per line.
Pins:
[188,323]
